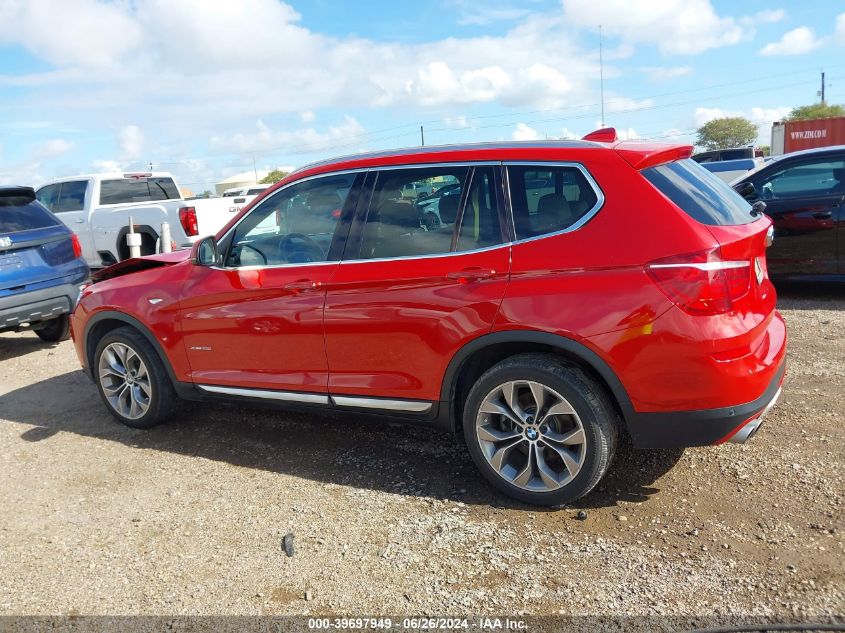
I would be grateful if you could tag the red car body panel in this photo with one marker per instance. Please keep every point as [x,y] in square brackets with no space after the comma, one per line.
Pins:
[394,328]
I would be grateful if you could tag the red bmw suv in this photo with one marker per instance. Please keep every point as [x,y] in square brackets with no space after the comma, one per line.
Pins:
[538,298]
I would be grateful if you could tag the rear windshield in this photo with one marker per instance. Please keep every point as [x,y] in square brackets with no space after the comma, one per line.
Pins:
[703,196]
[22,213]
[128,190]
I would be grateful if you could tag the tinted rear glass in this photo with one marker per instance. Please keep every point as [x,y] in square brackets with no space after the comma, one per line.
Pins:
[703,196]
[22,213]
[127,190]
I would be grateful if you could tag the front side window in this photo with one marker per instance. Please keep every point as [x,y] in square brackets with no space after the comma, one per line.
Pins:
[818,178]
[294,226]
[404,219]
[548,199]
[71,196]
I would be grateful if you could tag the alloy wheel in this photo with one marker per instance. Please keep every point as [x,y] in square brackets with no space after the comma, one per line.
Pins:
[531,436]
[125,381]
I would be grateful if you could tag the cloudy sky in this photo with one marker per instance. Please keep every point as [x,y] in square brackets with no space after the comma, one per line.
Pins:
[203,88]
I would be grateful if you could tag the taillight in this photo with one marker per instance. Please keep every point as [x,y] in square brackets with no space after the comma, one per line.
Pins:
[77,245]
[188,220]
[701,283]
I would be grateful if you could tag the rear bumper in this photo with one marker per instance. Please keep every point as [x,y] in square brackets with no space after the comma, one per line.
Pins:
[706,426]
[37,305]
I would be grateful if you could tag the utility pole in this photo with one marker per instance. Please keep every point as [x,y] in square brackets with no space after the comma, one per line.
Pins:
[254,170]
[422,136]
[822,91]
[601,77]
[151,162]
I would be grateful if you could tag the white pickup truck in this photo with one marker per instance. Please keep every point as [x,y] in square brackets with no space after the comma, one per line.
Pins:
[97,207]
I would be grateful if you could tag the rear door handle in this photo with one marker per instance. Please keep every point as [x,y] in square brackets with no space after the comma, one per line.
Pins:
[823,215]
[80,221]
[302,285]
[471,274]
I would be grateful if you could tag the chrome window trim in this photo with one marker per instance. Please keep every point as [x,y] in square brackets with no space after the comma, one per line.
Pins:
[411,406]
[429,256]
[285,396]
[600,199]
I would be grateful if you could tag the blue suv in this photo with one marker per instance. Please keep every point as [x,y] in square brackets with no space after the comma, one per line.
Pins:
[41,267]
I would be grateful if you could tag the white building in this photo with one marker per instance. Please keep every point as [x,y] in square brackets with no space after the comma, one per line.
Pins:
[244,179]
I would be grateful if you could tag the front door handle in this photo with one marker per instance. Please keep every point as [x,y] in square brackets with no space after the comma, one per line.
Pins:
[823,215]
[302,285]
[471,274]
[80,221]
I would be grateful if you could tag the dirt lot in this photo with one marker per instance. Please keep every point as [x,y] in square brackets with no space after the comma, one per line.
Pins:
[187,518]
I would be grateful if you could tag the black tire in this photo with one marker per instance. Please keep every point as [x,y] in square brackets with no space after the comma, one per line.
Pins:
[54,330]
[163,400]
[593,407]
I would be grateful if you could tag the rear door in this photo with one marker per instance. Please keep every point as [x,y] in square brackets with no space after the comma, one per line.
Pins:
[32,243]
[804,197]
[405,297]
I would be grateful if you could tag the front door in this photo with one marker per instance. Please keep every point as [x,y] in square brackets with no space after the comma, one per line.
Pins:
[256,321]
[805,199]
[411,290]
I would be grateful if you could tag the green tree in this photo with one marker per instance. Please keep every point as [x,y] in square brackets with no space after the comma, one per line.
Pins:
[206,194]
[735,131]
[815,111]
[273,177]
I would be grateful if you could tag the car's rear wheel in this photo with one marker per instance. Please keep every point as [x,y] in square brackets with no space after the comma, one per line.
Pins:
[132,379]
[540,430]
[54,330]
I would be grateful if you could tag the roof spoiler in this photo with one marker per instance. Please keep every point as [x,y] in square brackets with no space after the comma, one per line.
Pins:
[25,192]
[644,155]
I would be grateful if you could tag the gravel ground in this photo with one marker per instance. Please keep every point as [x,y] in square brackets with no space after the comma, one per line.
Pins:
[189,518]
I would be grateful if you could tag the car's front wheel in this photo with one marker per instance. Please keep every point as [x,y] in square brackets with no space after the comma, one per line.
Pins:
[132,379]
[540,430]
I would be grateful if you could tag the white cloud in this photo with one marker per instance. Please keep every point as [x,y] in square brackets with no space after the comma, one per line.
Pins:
[666,73]
[346,134]
[106,166]
[795,42]
[524,133]
[51,149]
[131,141]
[839,34]
[70,32]
[676,27]
[769,16]
[627,134]
[308,116]
[456,122]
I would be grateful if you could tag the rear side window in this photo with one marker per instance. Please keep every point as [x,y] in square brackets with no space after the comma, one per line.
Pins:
[22,213]
[49,195]
[128,190]
[700,194]
[808,179]
[549,199]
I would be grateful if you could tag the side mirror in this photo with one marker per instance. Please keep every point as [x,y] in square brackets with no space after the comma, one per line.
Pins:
[758,208]
[205,252]
[746,189]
